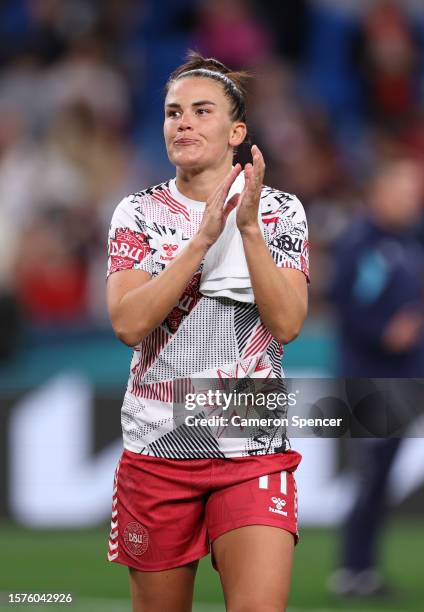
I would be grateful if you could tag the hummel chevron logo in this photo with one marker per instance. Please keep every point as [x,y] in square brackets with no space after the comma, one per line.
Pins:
[279,505]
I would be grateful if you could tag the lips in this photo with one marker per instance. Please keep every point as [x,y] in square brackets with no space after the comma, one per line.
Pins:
[185,142]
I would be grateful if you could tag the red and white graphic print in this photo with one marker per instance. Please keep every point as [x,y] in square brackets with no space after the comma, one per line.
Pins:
[201,337]
[168,251]
[127,248]
[187,302]
[261,338]
[153,344]
[271,215]
[163,195]
[165,243]
[304,258]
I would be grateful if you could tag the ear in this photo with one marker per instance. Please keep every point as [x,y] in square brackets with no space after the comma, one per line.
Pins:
[238,134]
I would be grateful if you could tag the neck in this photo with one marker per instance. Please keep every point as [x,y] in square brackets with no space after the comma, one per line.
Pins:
[200,184]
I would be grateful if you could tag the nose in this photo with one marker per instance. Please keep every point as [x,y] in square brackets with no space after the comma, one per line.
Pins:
[184,123]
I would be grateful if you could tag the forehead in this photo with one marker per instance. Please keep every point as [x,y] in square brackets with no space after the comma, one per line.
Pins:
[188,90]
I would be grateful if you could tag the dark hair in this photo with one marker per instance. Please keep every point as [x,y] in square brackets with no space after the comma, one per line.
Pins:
[233,82]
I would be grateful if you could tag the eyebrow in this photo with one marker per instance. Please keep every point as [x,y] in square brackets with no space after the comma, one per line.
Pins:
[199,103]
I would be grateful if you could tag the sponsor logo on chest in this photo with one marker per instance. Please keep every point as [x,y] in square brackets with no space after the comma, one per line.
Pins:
[168,251]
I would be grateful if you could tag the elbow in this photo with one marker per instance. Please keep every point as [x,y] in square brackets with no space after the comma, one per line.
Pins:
[130,340]
[129,337]
[129,327]
[286,334]
[288,331]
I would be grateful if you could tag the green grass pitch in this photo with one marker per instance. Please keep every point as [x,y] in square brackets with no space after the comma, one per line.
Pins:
[74,561]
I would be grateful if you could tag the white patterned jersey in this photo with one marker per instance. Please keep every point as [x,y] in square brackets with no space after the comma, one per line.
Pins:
[202,337]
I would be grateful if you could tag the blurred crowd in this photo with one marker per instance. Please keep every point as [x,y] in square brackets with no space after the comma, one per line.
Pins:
[337,89]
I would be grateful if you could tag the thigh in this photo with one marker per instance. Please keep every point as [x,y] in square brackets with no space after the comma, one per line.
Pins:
[269,500]
[158,512]
[254,564]
[253,530]
[165,591]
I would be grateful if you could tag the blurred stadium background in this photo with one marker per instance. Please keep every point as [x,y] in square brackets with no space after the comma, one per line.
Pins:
[339,86]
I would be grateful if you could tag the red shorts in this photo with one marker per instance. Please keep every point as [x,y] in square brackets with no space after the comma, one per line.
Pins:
[167,512]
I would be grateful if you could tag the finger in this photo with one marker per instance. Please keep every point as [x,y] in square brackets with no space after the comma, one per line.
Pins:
[258,163]
[257,152]
[225,186]
[230,180]
[248,188]
[231,204]
[248,175]
[252,186]
[220,194]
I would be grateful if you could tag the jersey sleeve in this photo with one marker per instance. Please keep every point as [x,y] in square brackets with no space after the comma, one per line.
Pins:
[289,243]
[128,247]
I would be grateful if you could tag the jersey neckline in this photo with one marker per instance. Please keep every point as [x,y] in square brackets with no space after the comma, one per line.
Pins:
[182,198]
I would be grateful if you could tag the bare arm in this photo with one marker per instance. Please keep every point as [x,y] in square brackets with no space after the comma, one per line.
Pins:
[137,303]
[280,293]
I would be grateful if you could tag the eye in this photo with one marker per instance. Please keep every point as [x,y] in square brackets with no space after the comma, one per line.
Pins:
[172,113]
[203,111]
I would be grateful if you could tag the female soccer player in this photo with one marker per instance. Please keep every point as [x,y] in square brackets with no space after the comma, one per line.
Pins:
[182,491]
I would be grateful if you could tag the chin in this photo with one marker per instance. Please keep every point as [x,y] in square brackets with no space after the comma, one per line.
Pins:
[188,161]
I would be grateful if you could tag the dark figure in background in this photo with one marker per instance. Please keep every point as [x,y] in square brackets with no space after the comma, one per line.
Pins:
[288,22]
[377,291]
[386,52]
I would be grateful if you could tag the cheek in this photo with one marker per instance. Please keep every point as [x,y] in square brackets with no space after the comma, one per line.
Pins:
[219,133]
[168,129]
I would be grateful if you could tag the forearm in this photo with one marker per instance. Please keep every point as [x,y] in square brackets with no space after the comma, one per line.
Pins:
[142,309]
[281,307]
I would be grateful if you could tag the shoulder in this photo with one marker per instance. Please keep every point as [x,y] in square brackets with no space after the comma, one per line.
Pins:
[275,199]
[133,203]
[150,192]
[282,212]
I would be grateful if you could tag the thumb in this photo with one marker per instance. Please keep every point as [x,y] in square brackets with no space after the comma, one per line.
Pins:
[230,205]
